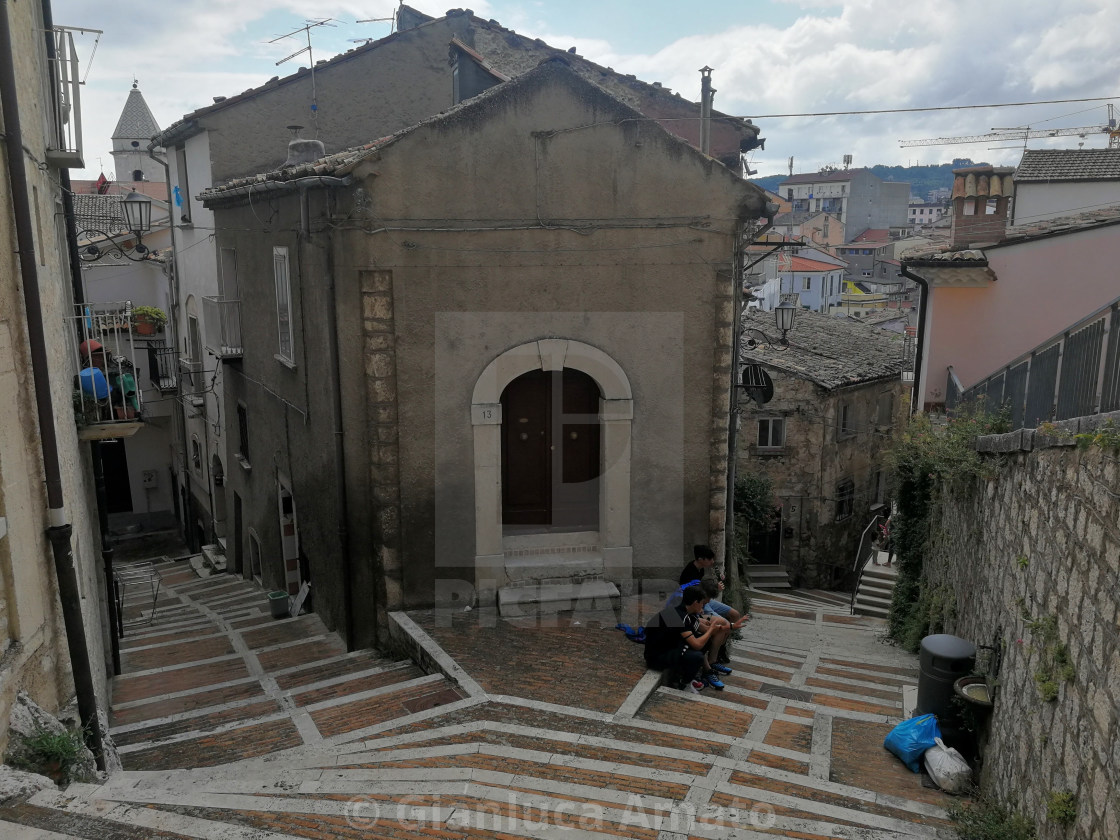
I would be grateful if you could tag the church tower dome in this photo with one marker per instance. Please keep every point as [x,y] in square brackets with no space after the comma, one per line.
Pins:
[134,131]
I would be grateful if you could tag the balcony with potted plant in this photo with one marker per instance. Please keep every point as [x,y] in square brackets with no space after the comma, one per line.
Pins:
[107,398]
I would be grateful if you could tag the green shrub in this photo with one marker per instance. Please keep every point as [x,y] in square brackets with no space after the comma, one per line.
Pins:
[986,819]
[1061,807]
[52,754]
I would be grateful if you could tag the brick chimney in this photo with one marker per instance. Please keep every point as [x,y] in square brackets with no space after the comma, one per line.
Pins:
[982,198]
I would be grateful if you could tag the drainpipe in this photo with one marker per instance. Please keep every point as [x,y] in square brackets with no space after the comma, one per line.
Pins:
[923,303]
[60,529]
[340,498]
[729,563]
[173,305]
[707,95]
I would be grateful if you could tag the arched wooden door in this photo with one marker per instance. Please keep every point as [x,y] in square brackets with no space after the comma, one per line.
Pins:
[550,452]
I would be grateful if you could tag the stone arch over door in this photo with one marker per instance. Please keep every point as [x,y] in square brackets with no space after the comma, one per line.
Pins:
[616,412]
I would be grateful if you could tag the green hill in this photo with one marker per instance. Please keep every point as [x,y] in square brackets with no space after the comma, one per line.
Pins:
[922,179]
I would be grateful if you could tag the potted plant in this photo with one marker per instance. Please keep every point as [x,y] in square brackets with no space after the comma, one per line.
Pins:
[148,320]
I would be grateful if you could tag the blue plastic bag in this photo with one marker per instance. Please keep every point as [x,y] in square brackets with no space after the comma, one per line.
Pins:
[911,738]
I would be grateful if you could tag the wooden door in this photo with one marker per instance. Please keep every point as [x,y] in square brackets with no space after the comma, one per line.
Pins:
[550,452]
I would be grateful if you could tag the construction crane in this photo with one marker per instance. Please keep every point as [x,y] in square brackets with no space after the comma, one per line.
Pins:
[1004,134]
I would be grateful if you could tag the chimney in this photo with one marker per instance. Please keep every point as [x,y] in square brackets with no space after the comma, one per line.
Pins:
[982,198]
[707,95]
[302,151]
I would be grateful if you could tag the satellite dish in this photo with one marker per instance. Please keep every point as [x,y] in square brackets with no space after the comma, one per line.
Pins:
[757,382]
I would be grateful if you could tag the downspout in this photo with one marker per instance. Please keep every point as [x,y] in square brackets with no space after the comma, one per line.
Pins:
[60,529]
[923,302]
[173,288]
[340,498]
[731,566]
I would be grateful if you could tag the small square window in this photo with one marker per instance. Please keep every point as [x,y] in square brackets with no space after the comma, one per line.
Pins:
[771,433]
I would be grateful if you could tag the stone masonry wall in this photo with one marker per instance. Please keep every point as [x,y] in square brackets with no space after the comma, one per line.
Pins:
[1042,540]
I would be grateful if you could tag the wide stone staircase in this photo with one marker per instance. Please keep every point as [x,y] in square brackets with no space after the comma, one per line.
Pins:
[364,747]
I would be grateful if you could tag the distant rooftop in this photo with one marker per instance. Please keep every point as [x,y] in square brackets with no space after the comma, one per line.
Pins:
[829,350]
[806,264]
[1069,165]
[818,177]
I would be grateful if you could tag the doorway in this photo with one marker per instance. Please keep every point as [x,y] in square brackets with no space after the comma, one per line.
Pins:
[114,463]
[765,544]
[551,459]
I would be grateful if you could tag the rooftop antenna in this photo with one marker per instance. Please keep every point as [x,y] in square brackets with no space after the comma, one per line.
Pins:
[306,29]
[392,20]
[791,166]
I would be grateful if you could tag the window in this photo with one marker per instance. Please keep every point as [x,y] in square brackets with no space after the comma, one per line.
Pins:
[845,420]
[968,207]
[990,207]
[866,272]
[789,194]
[183,198]
[771,433]
[196,455]
[242,434]
[283,302]
[194,339]
[845,499]
[885,409]
[806,283]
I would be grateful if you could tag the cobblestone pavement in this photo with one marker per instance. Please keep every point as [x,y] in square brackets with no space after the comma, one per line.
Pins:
[246,728]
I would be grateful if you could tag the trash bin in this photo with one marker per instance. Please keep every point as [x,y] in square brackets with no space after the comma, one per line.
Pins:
[944,660]
[278,604]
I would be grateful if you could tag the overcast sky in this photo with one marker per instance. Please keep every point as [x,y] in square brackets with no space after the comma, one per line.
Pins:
[770,57]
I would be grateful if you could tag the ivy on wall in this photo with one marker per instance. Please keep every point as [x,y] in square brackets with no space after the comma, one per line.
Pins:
[927,458]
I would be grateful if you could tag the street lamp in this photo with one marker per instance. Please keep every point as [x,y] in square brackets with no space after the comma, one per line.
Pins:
[137,211]
[784,314]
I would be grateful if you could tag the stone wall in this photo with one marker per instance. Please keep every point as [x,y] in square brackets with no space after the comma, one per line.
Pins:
[1042,540]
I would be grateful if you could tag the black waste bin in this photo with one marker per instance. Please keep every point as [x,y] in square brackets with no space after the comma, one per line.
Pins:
[944,660]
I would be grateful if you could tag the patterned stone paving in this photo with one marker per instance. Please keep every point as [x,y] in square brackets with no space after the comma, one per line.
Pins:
[255,729]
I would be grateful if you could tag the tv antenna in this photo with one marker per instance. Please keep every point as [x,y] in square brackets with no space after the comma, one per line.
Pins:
[306,30]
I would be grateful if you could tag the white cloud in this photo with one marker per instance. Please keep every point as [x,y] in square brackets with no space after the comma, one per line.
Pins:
[857,55]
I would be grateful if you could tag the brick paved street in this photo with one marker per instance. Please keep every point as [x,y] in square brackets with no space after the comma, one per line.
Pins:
[254,729]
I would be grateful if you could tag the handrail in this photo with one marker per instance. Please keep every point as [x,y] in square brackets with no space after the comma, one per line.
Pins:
[862,555]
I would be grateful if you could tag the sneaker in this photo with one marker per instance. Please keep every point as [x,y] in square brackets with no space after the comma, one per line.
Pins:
[691,687]
[697,685]
[713,680]
[720,668]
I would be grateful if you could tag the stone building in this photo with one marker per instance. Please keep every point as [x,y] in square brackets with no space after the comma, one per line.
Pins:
[48,527]
[424,68]
[521,352]
[838,400]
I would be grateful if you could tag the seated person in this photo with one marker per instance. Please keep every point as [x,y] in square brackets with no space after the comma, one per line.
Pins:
[711,589]
[703,560]
[678,640]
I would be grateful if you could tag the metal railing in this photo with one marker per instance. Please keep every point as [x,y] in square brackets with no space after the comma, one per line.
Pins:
[64,145]
[163,367]
[105,388]
[222,325]
[864,553]
[1073,374]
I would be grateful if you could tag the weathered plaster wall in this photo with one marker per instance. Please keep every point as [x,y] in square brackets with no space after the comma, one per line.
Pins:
[33,653]
[1043,539]
[1036,296]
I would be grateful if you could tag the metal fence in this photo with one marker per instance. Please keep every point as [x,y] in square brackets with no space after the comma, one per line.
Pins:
[1074,374]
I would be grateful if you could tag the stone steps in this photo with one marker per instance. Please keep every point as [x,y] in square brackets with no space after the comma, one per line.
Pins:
[876,588]
[791,747]
[768,577]
[593,597]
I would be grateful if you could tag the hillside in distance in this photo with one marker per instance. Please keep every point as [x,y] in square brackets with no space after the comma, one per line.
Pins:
[922,179]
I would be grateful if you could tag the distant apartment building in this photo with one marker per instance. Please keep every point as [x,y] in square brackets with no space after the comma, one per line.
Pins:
[921,214]
[859,198]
